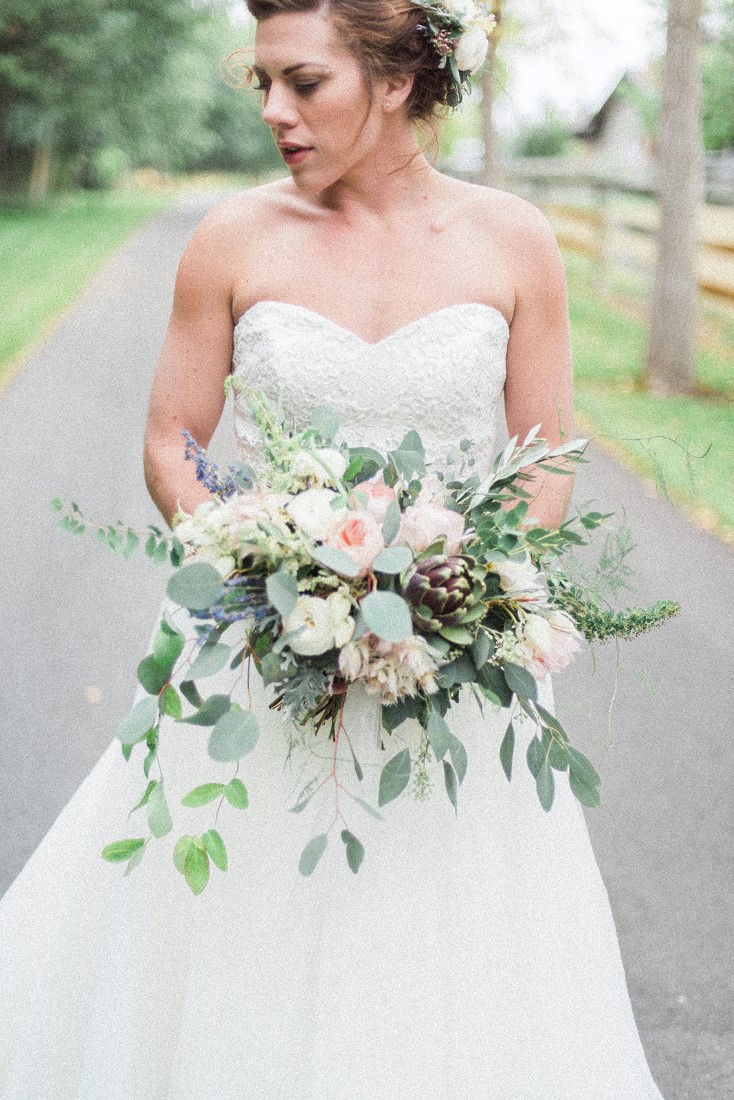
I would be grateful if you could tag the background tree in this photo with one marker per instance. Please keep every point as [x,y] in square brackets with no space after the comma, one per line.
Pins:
[670,363]
[718,84]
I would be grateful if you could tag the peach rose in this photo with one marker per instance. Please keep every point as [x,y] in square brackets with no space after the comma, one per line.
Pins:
[373,496]
[425,522]
[359,535]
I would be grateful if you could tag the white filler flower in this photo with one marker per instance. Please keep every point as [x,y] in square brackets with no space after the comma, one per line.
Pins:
[471,50]
[463,10]
[319,624]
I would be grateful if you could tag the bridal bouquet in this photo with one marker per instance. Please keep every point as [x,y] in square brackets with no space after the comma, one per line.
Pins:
[339,565]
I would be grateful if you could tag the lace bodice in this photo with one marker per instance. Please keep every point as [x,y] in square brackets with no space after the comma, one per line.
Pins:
[442,375]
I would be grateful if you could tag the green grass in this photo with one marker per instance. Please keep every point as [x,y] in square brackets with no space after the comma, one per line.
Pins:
[48,255]
[684,444]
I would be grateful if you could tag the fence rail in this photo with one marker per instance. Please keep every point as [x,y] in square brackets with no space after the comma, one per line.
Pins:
[615,223]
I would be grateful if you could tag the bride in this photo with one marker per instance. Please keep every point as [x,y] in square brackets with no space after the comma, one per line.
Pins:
[474,956]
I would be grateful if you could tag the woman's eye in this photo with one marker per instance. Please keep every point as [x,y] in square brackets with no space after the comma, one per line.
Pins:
[308,87]
[262,87]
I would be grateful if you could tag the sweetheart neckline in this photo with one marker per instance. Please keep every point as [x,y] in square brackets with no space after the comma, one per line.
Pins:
[355,335]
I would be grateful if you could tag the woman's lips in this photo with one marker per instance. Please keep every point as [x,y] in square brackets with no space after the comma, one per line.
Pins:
[294,154]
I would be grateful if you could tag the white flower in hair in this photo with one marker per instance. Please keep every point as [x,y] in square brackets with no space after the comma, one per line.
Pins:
[463,10]
[471,50]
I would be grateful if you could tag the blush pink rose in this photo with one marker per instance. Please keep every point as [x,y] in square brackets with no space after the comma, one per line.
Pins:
[373,496]
[359,535]
[425,522]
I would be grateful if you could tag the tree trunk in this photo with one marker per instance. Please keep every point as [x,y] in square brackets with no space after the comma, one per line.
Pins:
[489,175]
[670,366]
[40,181]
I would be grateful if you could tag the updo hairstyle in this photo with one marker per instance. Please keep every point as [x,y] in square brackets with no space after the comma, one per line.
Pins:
[383,36]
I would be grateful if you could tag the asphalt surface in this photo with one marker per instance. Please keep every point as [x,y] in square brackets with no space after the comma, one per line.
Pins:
[76,620]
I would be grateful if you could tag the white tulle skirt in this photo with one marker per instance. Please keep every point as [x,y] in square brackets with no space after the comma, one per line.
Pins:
[472,957]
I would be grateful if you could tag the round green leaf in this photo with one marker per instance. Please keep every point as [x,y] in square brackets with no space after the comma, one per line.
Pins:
[336,560]
[235,734]
[180,852]
[388,616]
[236,794]
[171,701]
[393,559]
[159,816]
[210,711]
[282,590]
[312,853]
[355,850]
[141,718]
[215,847]
[167,647]
[152,676]
[204,794]
[196,869]
[195,586]
[209,660]
[121,850]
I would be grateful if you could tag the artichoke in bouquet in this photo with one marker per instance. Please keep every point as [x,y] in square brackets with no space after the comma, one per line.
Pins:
[446,594]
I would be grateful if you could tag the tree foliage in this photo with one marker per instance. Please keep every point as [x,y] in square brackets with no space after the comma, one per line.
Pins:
[718,87]
[98,84]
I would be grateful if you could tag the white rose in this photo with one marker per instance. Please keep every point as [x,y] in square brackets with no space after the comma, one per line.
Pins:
[471,50]
[314,512]
[517,578]
[324,466]
[317,623]
[463,10]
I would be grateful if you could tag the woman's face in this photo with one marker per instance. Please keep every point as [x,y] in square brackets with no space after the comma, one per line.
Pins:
[315,98]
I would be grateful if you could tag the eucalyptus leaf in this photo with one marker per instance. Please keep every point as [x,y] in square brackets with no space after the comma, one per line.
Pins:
[210,711]
[394,777]
[557,756]
[459,757]
[392,560]
[355,850]
[536,757]
[397,713]
[520,681]
[325,422]
[494,685]
[215,847]
[507,750]
[209,660]
[196,869]
[367,808]
[388,616]
[336,560]
[312,853]
[121,850]
[135,860]
[459,635]
[582,767]
[391,522]
[159,816]
[282,590]
[201,796]
[137,723]
[481,650]
[144,800]
[545,785]
[171,703]
[357,766]
[439,734]
[196,586]
[167,647]
[152,676]
[190,692]
[234,735]
[586,793]
[236,794]
[182,849]
[550,720]
[449,776]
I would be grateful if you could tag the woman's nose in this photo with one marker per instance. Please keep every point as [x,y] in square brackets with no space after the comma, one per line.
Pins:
[278,108]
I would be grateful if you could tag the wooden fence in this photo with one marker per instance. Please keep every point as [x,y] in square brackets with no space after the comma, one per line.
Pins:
[616,225]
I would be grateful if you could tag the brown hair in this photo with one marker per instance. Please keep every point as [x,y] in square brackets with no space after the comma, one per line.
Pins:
[383,35]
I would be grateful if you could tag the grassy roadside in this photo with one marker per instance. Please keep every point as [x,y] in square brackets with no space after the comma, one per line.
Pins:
[684,445]
[48,255]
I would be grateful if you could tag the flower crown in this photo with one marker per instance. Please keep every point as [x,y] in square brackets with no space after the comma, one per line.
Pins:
[459,31]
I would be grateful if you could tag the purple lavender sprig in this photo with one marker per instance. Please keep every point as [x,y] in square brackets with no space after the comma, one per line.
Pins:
[221,483]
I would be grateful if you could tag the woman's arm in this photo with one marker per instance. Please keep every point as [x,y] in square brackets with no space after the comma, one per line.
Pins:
[539,385]
[188,387]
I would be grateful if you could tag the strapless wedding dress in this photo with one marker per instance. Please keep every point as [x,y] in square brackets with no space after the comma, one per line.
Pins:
[473,957]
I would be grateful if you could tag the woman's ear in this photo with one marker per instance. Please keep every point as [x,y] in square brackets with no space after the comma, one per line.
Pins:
[397,90]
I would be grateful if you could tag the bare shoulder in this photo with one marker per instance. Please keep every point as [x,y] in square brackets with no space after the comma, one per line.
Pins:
[510,221]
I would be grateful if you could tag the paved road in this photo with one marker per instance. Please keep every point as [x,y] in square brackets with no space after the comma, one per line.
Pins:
[75,620]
